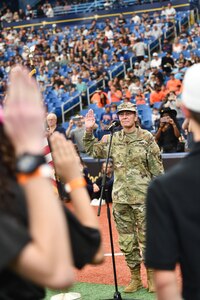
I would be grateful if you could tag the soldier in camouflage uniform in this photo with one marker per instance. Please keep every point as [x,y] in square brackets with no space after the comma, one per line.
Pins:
[136,160]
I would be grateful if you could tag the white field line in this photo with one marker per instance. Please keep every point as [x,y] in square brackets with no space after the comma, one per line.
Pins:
[116,254]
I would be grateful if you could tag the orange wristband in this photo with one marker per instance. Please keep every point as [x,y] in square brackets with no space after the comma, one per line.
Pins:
[42,171]
[75,184]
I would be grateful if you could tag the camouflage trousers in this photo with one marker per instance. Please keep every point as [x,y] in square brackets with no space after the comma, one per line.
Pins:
[130,223]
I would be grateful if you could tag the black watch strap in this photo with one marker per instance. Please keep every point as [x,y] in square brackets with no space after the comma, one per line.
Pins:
[27,163]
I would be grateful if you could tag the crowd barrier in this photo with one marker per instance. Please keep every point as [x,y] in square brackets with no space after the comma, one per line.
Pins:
[94,165]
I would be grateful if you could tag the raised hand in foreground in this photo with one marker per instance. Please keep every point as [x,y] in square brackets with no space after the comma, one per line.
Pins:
[67,165]
[39,258]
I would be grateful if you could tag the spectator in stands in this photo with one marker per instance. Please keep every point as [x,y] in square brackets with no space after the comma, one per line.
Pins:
[172,83]
[177,46]
[170,12]
[156,61]
[174,103]
[183,32]
[139,49]
[107,5]
[155,117]
[121,20]
[40,11]
[109,32]
[81,86]
[114,95]
[156,32]
[84,73]
[181,59]
[53,64]
[52,125]
[29,12]
[8,16]
[190,44]
[163,12]
[21,14]
[168,133]
[105,120]
[158,75]
[145,64]
[76,134]
[135,86]
[157,95]
[95,73]
[68,85]
[140,98]
[135,19]
[167,63]
[166,46]
[97,185]
[148,32]
[100,98]
[74,77]
[138,71]
[113,111]
[125,92]
[49,11]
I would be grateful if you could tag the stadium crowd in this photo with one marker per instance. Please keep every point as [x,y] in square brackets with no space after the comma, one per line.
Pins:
[68,59]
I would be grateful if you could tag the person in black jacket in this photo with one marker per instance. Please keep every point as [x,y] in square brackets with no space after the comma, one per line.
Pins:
[167,63]
[107,195]
[173,212]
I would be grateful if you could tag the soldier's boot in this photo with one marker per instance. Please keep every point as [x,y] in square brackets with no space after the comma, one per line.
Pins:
[150,281]
[135,283]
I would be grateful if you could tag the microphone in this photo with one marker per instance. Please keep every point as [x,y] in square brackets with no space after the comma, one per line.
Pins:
[114,124]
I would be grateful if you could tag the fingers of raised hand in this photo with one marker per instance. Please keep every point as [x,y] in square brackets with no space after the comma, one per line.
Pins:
[63,150]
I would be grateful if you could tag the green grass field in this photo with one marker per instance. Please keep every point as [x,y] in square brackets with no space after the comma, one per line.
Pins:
[91,291]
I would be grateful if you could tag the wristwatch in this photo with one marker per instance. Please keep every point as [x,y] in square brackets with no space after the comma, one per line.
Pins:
[27,163]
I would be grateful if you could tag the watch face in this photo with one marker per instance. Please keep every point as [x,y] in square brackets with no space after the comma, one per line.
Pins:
[28,163]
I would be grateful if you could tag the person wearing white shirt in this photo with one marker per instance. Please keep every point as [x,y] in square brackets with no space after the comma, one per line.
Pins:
[108,32]
[135,19]
[156,61]
[170,12]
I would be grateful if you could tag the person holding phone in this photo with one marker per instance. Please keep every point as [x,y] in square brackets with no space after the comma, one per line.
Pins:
[168,132]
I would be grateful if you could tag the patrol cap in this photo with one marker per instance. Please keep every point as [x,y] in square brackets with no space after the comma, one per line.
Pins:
[128,106]
[191,93]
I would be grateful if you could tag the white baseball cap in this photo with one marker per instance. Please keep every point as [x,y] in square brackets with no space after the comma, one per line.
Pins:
[191,92]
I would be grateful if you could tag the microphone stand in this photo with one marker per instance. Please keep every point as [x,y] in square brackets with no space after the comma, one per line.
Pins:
[117,295]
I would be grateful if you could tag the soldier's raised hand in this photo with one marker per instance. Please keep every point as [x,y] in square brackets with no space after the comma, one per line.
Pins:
[89,121]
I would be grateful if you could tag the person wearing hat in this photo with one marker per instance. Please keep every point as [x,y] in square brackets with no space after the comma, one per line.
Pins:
[100,98]
[173,211]
[136,160]
[156,61]
[168,132]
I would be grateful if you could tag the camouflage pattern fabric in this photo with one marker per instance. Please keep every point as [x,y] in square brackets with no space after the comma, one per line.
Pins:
[136,160]
[130,224]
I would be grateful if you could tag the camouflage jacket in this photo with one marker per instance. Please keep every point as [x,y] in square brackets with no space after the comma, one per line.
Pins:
[136,159]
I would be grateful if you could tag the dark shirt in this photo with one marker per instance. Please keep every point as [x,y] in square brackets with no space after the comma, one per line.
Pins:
[61,130]
[14,237]
[168,141]
[173,222]
[165,64]
[107,194]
